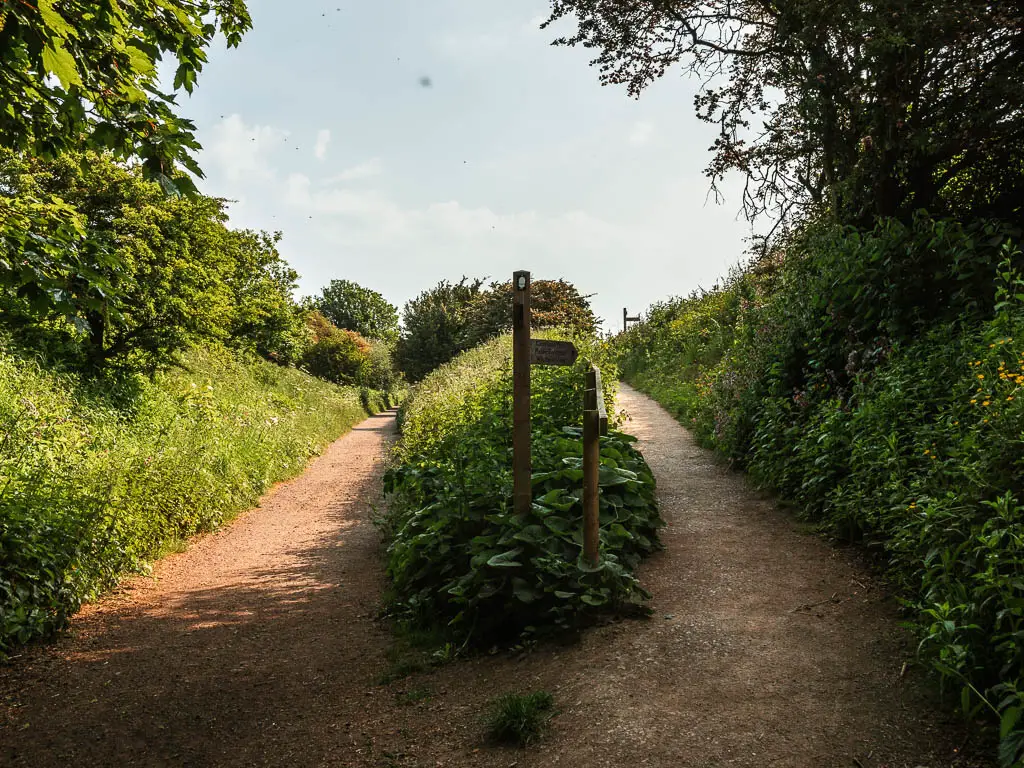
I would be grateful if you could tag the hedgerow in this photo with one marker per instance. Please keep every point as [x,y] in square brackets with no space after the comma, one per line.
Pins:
[889,414]
[99,476]
[458,557]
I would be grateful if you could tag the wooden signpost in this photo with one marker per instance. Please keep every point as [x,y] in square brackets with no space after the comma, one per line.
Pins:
[626,320]
[527,352]
[545,352]
[522,498]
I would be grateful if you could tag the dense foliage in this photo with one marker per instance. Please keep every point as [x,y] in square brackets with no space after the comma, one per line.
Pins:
[433,327]
[453,317]
[99,476]
[890,413]
[458,556]
[345,357]
[354,308]
[146,275]
[76,75]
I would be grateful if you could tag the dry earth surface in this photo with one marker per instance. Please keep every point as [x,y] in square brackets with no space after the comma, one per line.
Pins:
[260,646]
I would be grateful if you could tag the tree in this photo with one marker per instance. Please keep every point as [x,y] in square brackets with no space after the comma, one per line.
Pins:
[160,272]
[861,110]
[348,305]
[76,74]
[434,327]
[266,317]
[553,304]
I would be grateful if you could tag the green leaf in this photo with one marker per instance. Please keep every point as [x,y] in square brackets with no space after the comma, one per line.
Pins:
[61,63]
[141,63]
[506,559]
[524,592]
[54,21]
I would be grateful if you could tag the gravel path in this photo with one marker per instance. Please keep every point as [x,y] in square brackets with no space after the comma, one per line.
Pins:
[259,647]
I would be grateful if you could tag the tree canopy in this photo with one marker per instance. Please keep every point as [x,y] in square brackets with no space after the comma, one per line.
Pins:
[76,74]
[351,306]
[867,110]
[135,275]
[453,317]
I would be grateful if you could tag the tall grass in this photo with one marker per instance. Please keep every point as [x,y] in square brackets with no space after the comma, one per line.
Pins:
[97,479]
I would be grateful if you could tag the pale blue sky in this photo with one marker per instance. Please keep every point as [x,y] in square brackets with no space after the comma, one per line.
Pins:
[513,158]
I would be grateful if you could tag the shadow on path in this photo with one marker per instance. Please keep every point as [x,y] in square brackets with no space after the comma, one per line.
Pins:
[244,651]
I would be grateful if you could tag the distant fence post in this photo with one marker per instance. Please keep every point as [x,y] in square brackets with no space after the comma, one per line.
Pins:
[595,424]
[626,320]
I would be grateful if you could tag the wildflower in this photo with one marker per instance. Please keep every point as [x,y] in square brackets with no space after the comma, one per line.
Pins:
[973,402]
[981,376]
[986,403]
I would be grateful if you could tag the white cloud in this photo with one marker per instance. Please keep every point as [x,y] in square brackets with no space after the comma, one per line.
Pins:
[241,151]
[641,133]
[366,220]
[367,170]
[323,138]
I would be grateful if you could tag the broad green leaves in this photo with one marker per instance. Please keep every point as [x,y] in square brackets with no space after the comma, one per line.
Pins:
[458,555]
[59,62]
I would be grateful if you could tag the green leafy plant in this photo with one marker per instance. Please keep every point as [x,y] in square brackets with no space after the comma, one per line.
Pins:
[354,308]
[459,557]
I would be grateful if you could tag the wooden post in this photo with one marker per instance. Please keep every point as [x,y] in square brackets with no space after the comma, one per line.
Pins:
[602,409]
[591,465]
[522,498]
[624,319]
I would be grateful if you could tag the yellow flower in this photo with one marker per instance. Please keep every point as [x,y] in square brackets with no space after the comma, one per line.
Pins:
[981,375]
[986,403]
[973,402]
[1009,399]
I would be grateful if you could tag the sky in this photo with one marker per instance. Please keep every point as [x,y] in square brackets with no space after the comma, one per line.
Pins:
[402,142]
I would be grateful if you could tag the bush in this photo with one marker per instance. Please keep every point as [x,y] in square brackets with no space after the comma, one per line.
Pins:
[337,356]
[98,477]
[377,370]
[459,556]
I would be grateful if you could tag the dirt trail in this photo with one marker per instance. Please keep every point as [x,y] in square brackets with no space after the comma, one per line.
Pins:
[258,647]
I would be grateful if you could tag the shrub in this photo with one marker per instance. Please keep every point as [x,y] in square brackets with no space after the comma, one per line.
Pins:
[338,356]
[459,556]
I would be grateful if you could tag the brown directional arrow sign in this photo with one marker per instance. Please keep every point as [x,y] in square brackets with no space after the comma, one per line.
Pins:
[545,352]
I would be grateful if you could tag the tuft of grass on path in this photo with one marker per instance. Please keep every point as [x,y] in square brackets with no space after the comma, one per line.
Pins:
[519,719]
